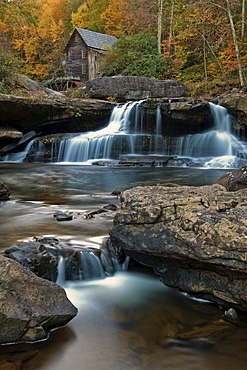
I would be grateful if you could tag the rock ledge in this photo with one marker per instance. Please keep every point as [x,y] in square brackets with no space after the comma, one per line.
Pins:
[195,238]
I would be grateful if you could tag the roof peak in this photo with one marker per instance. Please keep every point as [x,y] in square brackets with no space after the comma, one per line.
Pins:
[95,40]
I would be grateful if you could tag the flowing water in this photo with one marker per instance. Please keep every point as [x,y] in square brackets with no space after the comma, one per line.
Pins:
[129,320]
[133,131]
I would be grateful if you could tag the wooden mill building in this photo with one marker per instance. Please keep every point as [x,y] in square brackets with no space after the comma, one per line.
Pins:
[83,51]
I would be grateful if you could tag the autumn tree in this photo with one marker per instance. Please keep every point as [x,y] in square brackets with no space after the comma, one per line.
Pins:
[229,37]
[37,34]
[125,17]
[88,15]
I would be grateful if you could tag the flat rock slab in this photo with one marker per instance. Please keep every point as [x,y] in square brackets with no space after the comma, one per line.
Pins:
[29,306]
[194,237]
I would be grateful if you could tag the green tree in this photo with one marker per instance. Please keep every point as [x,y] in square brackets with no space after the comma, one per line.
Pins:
[135,55]
[9,65]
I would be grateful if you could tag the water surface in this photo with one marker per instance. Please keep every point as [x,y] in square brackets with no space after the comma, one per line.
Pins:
[130,320]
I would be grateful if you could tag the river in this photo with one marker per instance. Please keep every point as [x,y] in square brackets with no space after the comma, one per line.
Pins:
[129,320]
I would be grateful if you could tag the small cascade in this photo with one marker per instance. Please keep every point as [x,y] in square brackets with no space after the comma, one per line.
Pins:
[88,264]
[20,156]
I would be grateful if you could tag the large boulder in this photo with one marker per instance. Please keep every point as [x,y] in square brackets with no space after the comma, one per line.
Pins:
[195,238]
[29,306]
[125,88]
[234,180]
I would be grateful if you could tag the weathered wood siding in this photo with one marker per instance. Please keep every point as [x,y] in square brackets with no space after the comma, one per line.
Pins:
[81,61]
[93,67]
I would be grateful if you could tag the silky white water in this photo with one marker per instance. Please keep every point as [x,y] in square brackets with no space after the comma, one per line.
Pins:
[131,131]
[216,147]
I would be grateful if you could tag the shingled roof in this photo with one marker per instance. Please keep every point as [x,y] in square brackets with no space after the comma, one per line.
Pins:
[96,40]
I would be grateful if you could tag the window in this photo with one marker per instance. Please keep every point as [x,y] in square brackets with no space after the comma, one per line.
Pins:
[70,55]
[83,53]
[83,69]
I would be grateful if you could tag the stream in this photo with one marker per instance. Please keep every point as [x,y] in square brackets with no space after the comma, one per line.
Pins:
[129,320]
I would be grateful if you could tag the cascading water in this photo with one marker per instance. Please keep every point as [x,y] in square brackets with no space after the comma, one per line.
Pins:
[109,142]
[127,133]
[132,131]
[213,143]
[89,264]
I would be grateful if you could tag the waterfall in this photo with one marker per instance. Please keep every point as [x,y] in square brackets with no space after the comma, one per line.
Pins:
[215,142]
[134,130]
[126,133]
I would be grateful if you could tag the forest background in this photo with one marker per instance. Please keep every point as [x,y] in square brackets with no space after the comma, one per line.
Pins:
[201,43]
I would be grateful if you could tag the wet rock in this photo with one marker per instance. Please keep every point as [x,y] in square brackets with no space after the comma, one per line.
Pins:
[63,216]
[9,133]
[68,216]
[110,207]
[234,180]
[4,191]
[36,255]
[231,315]
[116,192]
[30,306]
[181,234]
[80,115]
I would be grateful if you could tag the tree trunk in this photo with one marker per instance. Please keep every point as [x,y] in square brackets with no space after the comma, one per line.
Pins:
[243,18]
[171,29]
[234,36]
[159,33]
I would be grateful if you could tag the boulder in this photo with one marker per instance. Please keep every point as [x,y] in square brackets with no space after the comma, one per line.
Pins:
[234,180]
[30,306]
[4,191]
[195,238]
[124,88]
[36,255]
